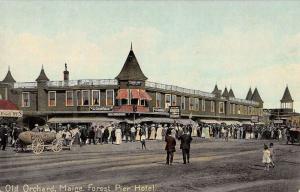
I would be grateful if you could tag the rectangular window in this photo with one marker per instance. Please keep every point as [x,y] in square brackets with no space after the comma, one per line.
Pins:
[221,107]
[196,104]
[182,102]
[239,109]
[158,100]
[143,103]
[52,98]
[192,103]
[85,97]
[69,98]
[25,99]
[174,100]
[203,104]
[212,106]
[79,98]
[233,108]
[167,101]
[110,98]
[96,97]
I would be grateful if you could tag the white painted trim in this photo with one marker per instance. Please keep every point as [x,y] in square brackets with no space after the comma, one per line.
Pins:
[89,95]
[113,103]
[28,99]
[66,99]
[99,97]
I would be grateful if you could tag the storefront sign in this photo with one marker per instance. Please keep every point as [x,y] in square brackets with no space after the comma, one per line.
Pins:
[98,108]
[116,114]
[278,121]
[174,111]
[254,119]
[11,113]
[135,83]
[156,109]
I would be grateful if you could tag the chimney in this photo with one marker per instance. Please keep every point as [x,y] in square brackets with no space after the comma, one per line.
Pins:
[66,73]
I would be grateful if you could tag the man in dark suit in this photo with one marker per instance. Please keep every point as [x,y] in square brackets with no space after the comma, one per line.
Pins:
[185,146]
[170,147]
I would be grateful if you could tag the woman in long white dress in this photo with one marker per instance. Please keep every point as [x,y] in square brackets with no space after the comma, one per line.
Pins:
[138,137]
[153,132]
[159,133]
[118,136]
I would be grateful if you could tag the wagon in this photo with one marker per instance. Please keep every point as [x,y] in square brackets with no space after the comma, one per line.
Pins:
[40,141]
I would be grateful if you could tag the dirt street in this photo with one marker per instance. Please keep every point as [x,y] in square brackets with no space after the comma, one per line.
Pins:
[216,166]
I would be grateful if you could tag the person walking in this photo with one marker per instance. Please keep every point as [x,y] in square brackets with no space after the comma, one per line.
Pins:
[266,157]
[185,146]
[118,136]
[132,131]
[113,135]
[170,147]
[143,140]
[105,135]
[92,136]
[272,154]
[99,134]
[4,136]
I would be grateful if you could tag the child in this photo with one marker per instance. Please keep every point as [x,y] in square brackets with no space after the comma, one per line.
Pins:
[143,141]
[266,157]
[272,154]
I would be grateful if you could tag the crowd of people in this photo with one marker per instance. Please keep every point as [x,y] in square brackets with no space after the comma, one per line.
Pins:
[118,133]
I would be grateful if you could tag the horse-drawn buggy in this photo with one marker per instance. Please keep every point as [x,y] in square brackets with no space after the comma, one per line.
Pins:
[293,136]
[41,141]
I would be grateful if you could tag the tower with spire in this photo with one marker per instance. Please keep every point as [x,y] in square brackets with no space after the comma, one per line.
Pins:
[9,78]
[42,80]
[249,94]
[287,101]
[131,74]
[256,97]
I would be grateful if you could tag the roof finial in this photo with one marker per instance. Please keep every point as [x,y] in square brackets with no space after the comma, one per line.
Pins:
[42,66]
[66,67]
[131,46]
[9,68]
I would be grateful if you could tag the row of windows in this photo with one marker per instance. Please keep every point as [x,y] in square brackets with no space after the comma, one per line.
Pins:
[171,100]
[84,98]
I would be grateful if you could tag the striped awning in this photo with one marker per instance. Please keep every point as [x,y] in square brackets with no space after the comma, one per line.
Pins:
[123,94]
[82,120]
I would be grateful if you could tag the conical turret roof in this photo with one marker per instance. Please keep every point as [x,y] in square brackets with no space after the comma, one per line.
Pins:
[42,76]
[225,93]
[9,78]
[249,94]
[231,94]
[286,96]
[256,97]
[216,89]
[131,69]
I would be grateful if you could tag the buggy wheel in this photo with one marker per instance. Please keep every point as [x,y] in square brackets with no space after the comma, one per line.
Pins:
[37,146]
[57,145]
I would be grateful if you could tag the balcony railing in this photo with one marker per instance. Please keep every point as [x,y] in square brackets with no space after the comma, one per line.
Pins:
[25,85]
[179,89]
[243,101]
[82,82]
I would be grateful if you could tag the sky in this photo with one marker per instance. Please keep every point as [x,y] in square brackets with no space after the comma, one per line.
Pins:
[192,44]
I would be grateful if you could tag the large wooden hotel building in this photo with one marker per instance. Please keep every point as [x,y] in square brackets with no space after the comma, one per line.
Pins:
[129,97]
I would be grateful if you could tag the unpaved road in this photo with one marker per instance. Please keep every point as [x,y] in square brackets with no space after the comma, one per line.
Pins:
[216,166]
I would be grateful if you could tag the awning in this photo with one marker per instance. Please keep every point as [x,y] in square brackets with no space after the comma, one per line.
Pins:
[231,122]
[9,109]
[210,121]
[82,120]
[140,94]
[144,95]
[123,94]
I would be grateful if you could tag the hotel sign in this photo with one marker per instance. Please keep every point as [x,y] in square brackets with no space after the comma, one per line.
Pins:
[11,113]
[135,83]
[116,114]
[156,109]
[174,111]
[98,108]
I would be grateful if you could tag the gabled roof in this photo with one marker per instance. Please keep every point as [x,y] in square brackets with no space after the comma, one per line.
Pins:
[287,96]
[249,94]
[216,89]
[42,76]
[231,94]
[256,97]
[131,69]
[9,78]
[225,93]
